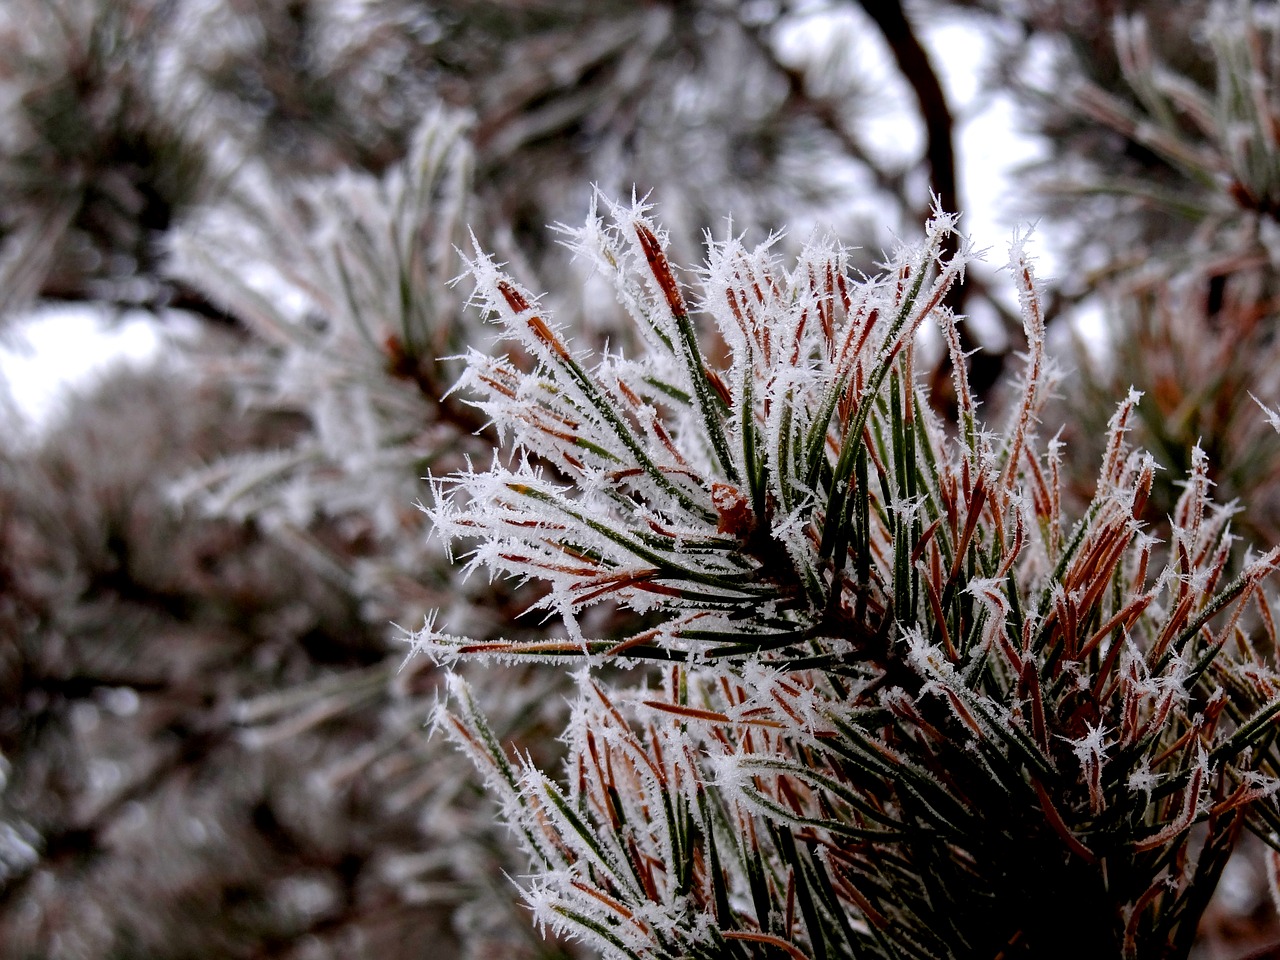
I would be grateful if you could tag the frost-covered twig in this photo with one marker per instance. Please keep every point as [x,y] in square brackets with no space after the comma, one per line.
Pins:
[905,710]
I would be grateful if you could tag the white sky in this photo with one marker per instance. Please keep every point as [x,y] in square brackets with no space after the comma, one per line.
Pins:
[60,346]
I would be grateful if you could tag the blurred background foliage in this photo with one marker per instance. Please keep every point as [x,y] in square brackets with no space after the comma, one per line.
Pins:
[208,743]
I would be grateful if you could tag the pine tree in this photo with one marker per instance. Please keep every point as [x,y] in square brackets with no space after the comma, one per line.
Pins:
[787,519]
[909,708]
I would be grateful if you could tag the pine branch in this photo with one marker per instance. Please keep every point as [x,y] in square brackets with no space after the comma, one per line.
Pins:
[927,718]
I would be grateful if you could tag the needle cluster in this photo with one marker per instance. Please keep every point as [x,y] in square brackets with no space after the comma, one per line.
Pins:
[904,706]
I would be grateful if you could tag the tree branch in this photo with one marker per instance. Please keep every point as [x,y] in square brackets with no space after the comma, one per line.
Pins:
[914,65]
[913,62]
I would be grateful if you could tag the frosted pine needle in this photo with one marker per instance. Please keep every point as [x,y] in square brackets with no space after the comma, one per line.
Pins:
[903,709]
